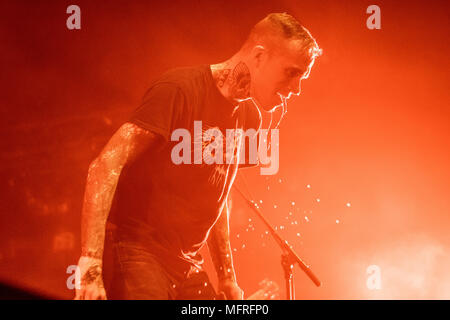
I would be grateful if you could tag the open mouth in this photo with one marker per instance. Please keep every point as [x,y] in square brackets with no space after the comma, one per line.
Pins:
[283,100]
[283,105]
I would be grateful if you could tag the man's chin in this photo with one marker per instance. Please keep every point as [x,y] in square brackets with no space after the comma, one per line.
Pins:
[278,102]
[268,104]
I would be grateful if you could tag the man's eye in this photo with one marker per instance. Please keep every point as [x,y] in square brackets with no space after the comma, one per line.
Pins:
[293,73]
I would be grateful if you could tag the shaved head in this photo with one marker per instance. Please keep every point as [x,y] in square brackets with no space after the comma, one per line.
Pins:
[277,31]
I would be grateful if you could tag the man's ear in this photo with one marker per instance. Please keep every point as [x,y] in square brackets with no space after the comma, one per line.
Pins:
[258,54]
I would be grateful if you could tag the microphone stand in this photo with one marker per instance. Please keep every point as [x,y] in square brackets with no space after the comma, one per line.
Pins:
[288,256]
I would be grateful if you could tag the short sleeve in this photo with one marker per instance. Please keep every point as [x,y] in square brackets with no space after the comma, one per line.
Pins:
[161,110]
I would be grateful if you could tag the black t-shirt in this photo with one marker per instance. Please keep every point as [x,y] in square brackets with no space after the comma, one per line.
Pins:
[168,207]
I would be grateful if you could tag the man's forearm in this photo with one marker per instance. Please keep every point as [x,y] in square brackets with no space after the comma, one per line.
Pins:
[100,187]
[220,248]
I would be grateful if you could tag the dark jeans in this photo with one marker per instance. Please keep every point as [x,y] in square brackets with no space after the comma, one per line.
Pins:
[131,271]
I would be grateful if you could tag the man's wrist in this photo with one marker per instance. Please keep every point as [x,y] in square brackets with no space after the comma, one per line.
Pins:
[230,288]
[91,260]
[226,281]
[227,275]
[90,253]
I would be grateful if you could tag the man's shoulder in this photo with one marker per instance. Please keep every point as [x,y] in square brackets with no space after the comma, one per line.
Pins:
[183,77]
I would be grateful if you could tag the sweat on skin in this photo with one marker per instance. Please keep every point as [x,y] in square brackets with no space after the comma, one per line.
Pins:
[213,151]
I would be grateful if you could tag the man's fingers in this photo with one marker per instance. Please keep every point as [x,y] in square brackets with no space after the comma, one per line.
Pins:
[221,296]
[102,296]
[90,295]
[79,294]
[95,294]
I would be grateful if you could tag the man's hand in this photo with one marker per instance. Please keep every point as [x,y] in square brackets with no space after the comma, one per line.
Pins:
[231,290]
[91,286]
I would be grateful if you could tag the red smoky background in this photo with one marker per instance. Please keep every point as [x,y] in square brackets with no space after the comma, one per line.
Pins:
[364,151]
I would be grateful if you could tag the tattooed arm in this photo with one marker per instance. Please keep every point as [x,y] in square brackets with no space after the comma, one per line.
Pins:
[103,175]
[220,250]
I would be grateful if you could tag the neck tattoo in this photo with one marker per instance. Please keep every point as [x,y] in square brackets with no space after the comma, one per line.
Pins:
[236,80]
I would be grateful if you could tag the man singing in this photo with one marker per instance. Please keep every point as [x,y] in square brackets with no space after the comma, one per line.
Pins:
[153,215]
